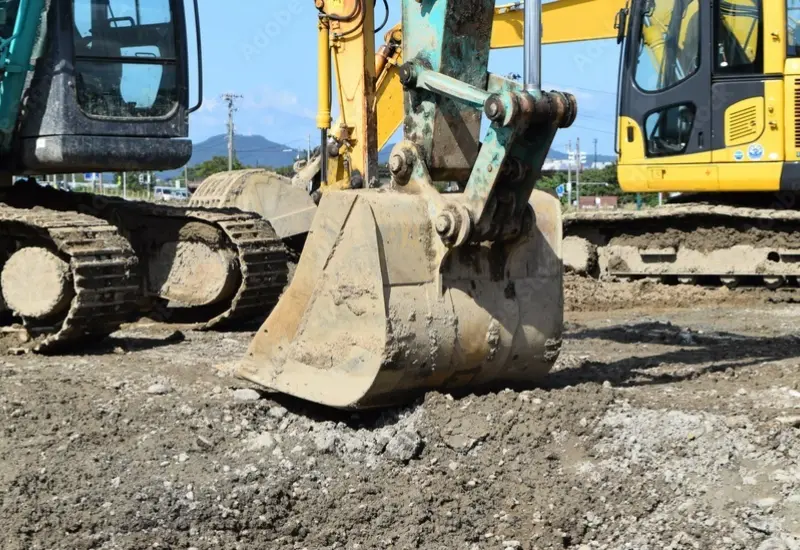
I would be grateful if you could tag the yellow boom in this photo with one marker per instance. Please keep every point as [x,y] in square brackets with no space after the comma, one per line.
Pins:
[562,21]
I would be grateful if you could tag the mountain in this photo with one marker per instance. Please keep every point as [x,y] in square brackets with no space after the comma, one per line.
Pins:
[255,150]
[250,150]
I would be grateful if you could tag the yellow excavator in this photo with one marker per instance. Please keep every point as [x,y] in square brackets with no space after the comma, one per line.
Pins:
[713,120]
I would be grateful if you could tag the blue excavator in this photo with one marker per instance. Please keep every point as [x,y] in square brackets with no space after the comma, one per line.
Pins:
[103,86]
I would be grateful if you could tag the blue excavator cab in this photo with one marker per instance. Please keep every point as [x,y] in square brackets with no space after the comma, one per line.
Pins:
[87,85]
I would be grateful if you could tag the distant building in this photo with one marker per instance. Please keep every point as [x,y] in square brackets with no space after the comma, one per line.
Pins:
[561,165]
[599,203]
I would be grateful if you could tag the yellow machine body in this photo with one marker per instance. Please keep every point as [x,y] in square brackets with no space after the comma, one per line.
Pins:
[755,145]
[750,142]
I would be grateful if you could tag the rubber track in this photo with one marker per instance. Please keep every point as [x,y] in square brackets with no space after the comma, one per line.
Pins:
[262,256]
[622,221]
[103,267]
[678,211]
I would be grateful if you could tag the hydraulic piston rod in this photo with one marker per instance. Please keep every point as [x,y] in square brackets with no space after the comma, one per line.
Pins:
[533,45]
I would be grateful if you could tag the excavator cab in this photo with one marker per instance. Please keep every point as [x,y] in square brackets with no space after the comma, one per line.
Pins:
[109,85]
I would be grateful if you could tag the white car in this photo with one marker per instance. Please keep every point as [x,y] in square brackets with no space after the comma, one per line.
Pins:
[170,194]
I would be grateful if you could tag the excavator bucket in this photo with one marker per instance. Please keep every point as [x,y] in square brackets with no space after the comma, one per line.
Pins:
[287,207]
[378,311]
[405,289]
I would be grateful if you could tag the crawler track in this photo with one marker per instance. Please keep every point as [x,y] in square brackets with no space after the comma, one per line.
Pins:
[740,239]
[102,265]
[261,257]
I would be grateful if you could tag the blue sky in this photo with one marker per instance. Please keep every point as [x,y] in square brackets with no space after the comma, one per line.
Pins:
[265,50]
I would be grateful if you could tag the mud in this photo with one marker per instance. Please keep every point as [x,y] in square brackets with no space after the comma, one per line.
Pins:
[584,293]
[707,237]
[202,232]
[660,427]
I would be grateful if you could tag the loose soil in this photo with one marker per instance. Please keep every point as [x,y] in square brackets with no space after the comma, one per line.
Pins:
[672,420]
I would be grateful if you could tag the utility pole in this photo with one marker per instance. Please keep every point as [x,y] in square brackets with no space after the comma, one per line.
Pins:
[595,153]
[230,99]
[124,185]
[578,171]
[186,176]
[569,174]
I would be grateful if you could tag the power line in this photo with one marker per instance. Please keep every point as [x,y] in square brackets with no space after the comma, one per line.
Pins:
[592,129]
[583,89]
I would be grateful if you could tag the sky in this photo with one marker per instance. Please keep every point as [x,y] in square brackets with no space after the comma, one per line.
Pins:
[265,51]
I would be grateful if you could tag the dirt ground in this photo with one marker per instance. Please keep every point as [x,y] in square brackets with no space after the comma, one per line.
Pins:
[672,421]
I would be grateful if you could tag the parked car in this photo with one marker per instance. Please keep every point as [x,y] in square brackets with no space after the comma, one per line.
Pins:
[170,194]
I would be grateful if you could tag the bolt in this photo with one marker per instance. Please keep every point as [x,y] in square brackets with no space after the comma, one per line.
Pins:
[444,223]
[408,75]
[396,164]
[400,165]
[494,109]
[356,181]
[333,149]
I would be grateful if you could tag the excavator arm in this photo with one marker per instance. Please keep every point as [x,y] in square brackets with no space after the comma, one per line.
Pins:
[562,21]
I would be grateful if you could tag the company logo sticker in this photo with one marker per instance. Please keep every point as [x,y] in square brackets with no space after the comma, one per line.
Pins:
[755,151]
[738,155]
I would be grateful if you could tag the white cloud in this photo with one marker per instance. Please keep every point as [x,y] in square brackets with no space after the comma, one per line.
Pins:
[266,98]
[210,104]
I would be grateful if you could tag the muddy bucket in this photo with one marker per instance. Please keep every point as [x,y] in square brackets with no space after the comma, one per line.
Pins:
[287,207]
[379,310]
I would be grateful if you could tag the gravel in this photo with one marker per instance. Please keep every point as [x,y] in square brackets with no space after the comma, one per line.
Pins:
[637,441]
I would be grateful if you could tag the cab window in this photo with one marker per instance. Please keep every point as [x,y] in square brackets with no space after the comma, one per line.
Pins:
[792,19]
[737,37]
[669,44]
[125,57]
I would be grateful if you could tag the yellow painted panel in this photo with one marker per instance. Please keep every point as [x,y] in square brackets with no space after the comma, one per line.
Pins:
[695,178]
[562,21]
[775,130]
[668,177]
[389,98]
[775,28]
[791,98]
[769,145]
[744,121]
[762,176]
[792,66]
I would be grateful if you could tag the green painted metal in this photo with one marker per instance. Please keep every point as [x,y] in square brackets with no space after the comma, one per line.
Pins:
[451,37]
[448,88]
[16,54]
